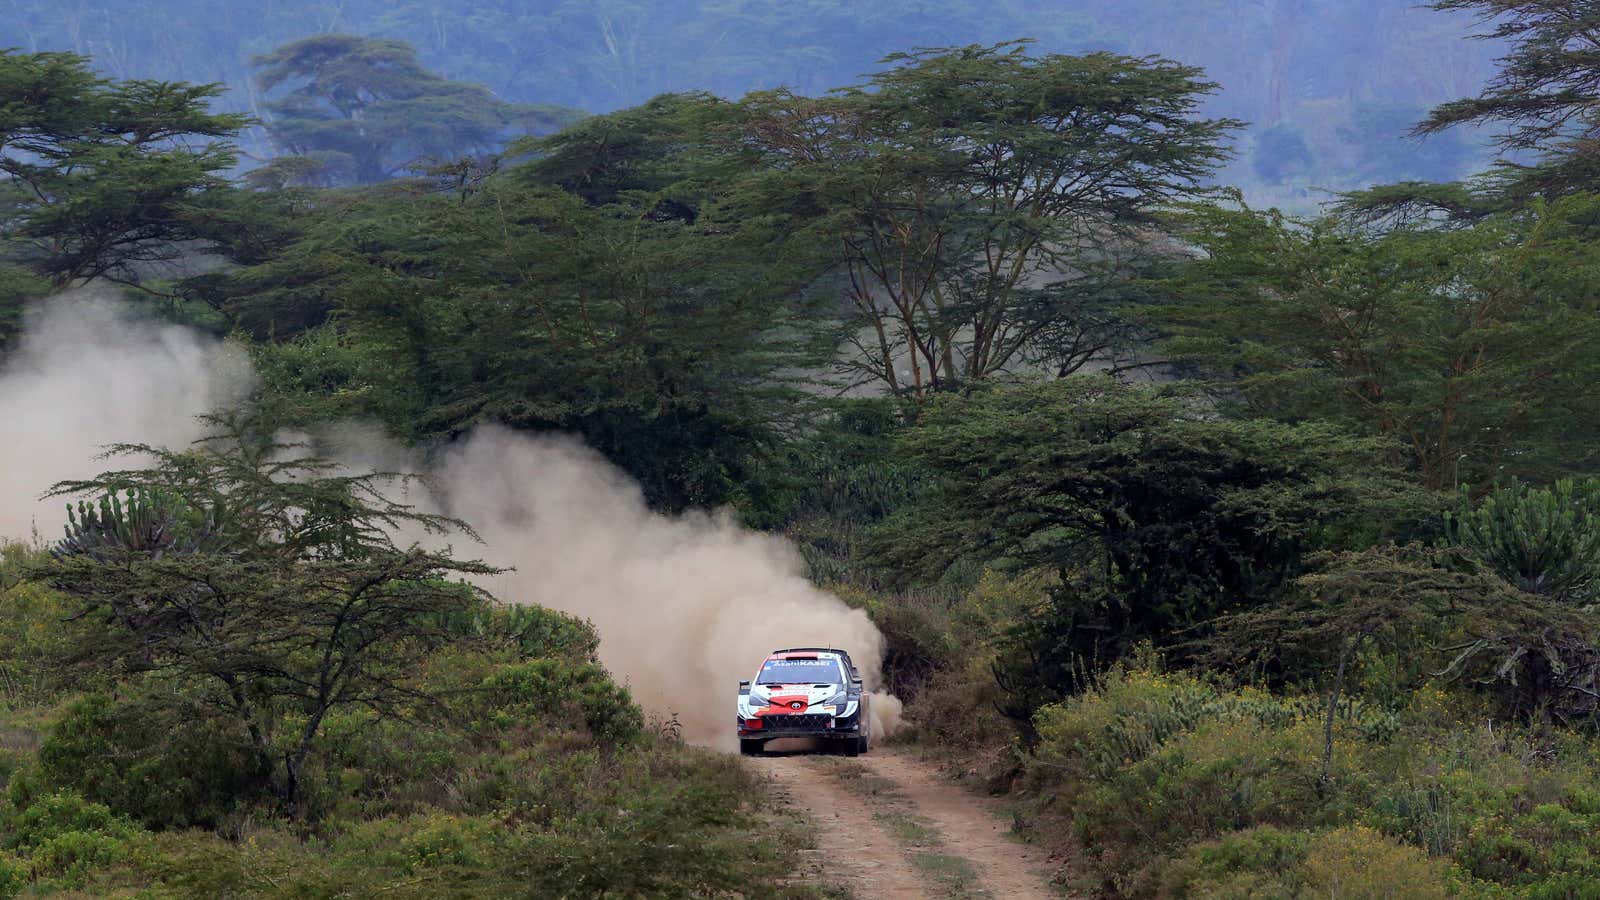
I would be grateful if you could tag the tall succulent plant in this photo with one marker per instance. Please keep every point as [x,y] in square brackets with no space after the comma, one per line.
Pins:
[1546,541]
[138,521]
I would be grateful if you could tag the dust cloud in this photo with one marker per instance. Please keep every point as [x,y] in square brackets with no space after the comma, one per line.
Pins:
[88,373]
[685,606]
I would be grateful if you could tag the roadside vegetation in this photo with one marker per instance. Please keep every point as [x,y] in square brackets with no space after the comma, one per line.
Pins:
[1243,555]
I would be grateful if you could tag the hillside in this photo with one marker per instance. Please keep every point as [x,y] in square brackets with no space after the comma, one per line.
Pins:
[1329,88]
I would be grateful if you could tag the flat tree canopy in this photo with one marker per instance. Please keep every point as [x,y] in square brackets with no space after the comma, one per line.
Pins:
[100,177]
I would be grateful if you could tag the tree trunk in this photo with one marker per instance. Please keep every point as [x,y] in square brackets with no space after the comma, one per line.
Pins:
[1333,710]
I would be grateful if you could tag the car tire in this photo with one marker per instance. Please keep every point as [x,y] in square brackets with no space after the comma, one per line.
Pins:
[862,743]
[750,748]
[852,747]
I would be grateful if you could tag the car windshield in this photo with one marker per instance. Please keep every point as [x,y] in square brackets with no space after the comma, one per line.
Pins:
[800,671]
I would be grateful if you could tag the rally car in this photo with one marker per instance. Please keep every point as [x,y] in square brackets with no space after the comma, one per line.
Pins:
[804,692]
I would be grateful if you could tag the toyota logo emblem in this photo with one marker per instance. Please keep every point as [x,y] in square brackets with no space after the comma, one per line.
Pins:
[798,704]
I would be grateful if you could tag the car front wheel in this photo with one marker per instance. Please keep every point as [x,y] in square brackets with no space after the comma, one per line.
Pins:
[750,748]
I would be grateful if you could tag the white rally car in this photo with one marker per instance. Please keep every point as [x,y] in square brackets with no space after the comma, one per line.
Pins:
[804,692]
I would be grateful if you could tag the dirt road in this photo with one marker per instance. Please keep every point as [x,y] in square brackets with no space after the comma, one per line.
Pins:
[892,826]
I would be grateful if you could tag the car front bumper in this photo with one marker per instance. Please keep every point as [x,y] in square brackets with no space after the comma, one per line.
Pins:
[781,725]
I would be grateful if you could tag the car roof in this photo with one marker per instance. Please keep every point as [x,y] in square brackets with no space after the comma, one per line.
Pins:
[806,654]
[815,653]
[801,652]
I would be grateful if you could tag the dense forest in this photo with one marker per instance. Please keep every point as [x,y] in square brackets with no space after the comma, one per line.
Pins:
[395,513]
[1329,89]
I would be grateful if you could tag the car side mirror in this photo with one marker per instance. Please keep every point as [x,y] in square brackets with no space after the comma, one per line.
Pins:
[855,683]
[744,687]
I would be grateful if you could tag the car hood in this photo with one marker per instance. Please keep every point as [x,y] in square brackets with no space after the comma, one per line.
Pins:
[783,694]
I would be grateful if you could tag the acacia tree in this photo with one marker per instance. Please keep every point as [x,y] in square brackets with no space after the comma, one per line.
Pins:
[365,109]
[1472,347]
[978,200]
[1543,99]
[264,582]
[1546,95]
[100,177]
[1155,516]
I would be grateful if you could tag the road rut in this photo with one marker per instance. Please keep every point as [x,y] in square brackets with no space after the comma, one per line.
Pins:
[857,803]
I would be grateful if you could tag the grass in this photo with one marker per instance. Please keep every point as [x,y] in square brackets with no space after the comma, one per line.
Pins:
[952,876]
[913,831]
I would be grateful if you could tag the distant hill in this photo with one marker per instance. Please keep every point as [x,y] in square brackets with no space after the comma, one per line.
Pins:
[1329,87]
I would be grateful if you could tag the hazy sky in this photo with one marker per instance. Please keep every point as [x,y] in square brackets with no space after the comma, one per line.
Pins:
[1329,85]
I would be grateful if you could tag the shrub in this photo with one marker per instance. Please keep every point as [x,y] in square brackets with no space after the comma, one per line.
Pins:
[1360,862]
[59,813]
[59,838]
[1545,847]
[1343,862]
[143,760]
[1129,715]
[68,857]
[13,876]
[1146,764]
[445,840]
[370,767]
[534,631]
[663,825]
[32,641]
[1223,776]
[557,690]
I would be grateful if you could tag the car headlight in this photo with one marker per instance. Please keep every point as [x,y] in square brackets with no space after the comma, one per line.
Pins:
[755,701]
[837,700]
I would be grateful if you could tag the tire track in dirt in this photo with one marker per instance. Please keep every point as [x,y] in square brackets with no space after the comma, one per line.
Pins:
[872,861]
[854,847]
[970,825]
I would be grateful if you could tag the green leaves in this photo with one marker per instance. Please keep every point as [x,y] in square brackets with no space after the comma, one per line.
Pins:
[1157,515]
[290,598]
[1545,541]
[1543,96]
[102,175]
[977,198]
[1473,347]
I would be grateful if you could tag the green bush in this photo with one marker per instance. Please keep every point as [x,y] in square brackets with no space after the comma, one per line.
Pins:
[447,840]
[369,767]
[143,760]
[1223,776]
[1343,862]
[13,876]
[534,631]
[33,644]
[1129,715]
[68,857]
[56,814]
[556,691]
[654,819]
[1545,847]
[59,838]
[663,825]
[1170,786]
